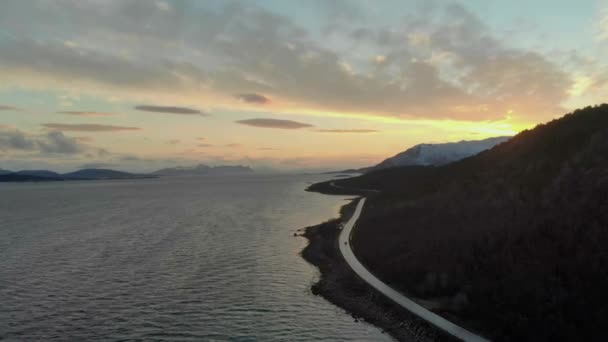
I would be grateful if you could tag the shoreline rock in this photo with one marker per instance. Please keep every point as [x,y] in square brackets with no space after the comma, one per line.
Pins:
[339,285]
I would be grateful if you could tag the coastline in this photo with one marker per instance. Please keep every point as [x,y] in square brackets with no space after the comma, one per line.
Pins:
[339,285]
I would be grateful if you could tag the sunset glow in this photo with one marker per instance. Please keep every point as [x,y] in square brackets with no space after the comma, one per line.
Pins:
[283,85]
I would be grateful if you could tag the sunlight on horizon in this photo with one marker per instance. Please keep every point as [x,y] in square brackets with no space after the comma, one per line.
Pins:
[329,85]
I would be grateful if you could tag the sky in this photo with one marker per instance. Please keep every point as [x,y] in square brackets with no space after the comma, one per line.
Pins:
[285,85]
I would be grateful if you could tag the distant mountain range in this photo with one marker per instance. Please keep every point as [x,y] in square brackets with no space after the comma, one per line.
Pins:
[97,174]
[14,177]
[38,173]
[84,174]
[102,174]
[202,169]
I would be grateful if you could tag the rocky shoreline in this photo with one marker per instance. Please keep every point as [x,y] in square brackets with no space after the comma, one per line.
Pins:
[341,286]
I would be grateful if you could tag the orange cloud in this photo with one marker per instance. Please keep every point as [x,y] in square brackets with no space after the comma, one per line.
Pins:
[274,123]
[347,130]
[170,110]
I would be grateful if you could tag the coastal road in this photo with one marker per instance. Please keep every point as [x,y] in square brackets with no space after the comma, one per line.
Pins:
[396,296]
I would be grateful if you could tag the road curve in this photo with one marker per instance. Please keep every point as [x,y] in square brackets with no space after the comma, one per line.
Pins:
[397,297]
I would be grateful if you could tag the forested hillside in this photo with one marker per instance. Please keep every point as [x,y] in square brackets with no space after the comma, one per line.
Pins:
[513,241]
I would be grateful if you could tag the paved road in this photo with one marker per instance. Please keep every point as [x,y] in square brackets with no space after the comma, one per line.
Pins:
[408,304]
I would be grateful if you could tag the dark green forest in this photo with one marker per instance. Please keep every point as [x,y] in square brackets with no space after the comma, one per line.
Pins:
[512,242]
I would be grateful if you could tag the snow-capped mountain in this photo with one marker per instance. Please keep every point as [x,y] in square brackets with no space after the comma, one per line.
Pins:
[439,154]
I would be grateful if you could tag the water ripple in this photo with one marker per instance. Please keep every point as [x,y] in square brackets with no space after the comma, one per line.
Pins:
[164,260]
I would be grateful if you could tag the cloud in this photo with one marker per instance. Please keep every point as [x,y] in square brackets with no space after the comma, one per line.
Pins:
[253,98]
[84,139]
[163,6]
[274,123]
[86,113]
[49,143]
[102,152]
[88,127]
[341,10]
[233,145]
[170,110]
[7,108]
[602,25]
[16,140]
[348,130]
[97,165]
[130,158]
[173,141]
[205,145]
[225,49]
[56,142]
[32,63]
[379,59]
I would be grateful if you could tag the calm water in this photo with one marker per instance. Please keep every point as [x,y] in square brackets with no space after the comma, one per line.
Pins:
[165,259]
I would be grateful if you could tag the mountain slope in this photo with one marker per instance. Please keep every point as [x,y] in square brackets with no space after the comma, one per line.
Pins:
[432,154]
[439,154]
[511,240]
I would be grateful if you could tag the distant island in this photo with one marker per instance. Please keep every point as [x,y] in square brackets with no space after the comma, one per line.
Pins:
[50,176]
[204,170]
[100,174]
